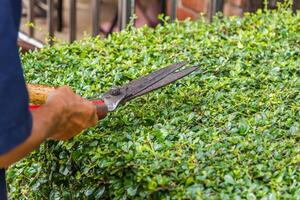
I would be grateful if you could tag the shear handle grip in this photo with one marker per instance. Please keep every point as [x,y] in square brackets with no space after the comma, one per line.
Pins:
[38,95]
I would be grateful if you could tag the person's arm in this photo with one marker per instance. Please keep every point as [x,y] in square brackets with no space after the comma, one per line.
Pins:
[64,115]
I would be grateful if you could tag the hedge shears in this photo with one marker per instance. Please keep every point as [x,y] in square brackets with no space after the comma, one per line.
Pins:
[120,94]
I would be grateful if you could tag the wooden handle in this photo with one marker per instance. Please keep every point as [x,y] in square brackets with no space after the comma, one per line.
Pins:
[38,93]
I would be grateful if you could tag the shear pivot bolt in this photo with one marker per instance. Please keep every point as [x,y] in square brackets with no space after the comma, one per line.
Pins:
[115,91]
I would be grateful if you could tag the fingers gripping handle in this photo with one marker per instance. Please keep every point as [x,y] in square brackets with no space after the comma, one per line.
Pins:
[102,109]
[38,95]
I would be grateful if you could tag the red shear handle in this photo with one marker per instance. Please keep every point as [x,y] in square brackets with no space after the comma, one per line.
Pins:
[102,109]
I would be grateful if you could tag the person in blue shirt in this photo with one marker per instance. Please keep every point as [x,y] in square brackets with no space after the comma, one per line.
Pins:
[63,116]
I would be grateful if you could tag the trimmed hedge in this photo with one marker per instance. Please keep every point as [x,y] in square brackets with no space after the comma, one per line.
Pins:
[230,131]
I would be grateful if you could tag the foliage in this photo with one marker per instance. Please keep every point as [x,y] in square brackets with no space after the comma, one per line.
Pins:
[230,131]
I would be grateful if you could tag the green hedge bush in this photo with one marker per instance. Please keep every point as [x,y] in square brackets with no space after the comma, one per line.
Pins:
[229,131]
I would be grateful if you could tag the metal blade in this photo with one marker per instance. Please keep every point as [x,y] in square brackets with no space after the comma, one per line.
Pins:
[141,84]
[163,82]
[152,81]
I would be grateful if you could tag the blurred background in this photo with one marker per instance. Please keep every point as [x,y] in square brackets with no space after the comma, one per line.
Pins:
[69,20]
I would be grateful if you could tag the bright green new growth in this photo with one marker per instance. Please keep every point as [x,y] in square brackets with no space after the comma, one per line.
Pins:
[232,132]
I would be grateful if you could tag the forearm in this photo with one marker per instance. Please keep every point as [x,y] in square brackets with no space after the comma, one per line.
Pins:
[63,116]
[44,121]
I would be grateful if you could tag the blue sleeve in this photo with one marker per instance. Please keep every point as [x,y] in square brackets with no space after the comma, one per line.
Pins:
[15,117]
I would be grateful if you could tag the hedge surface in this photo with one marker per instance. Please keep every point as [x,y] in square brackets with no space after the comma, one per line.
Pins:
[229,131]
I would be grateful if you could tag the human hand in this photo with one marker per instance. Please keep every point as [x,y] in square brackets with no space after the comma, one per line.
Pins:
[63,116]
[73,113]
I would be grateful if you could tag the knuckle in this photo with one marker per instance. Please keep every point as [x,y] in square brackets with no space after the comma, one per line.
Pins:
[65,89]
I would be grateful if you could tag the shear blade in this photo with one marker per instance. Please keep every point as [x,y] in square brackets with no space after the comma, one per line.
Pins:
[141,84]
[162,82]
[145,84]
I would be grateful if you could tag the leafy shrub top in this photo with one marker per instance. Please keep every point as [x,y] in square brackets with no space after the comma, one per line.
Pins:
[231,130]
